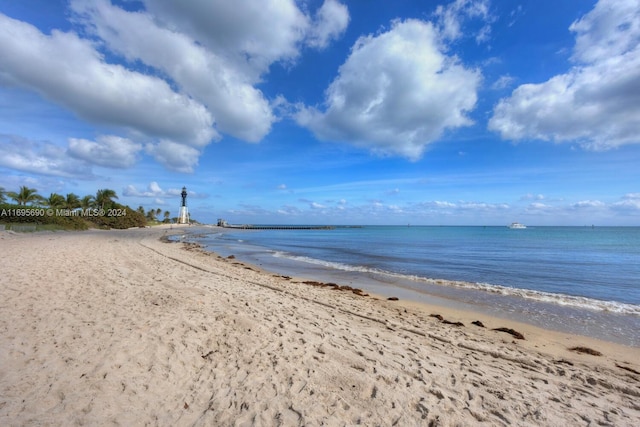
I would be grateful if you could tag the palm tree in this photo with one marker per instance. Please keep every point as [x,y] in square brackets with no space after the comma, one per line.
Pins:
[25,195]
[105,197]
[2,193]
[55,200]
[167,214]
[72,201]
[140,209]
[87,202]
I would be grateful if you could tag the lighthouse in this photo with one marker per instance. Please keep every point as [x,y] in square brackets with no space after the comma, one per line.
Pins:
[183,217]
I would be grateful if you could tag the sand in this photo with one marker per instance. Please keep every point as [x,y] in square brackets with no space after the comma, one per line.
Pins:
[121,328]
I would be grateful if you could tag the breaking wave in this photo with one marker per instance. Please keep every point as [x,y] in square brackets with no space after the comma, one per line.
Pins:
[540,296]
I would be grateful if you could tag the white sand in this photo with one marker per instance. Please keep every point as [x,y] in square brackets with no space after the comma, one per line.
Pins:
[117,327]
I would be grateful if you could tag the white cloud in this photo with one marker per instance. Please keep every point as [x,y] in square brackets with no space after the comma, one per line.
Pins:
[174,156]
[442,204]
[451,18]
[331,21]
[630,203]
[482,206]
[530,196]
[462,212]
[587,204]
[108,151]
[289,211]
[396,93]
[40,157]
[611,29]
[70,72]
[191,71]
[597,102]
[503,82]
[153,190]
[539,206]
[253,34]
[239,108]
[630,206]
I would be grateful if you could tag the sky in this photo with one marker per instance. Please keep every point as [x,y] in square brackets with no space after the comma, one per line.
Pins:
[463,112]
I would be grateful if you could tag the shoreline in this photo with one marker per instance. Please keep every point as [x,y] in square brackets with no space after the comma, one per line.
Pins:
[460,311]
[119,327]
[599,323]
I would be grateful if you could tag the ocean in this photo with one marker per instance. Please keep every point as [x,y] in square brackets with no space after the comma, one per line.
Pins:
[583,280]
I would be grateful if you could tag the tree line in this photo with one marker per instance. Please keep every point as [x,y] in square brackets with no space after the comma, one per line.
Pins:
[104,200]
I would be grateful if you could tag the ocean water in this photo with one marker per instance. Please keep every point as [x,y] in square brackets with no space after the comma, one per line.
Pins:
[583,280]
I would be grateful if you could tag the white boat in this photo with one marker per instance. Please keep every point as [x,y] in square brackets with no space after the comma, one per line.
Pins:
[517,226]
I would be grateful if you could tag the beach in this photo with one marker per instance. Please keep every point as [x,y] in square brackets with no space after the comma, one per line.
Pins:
[126,328]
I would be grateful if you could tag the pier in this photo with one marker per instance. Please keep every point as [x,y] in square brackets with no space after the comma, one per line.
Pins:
[224,224]
[278,227]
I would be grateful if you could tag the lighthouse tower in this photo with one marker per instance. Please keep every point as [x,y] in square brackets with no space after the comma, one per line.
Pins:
[183,217]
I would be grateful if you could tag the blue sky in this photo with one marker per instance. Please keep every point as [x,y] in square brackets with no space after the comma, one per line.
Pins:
[329,112]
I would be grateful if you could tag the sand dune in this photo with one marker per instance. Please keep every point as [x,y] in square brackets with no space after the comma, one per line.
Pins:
[118,327]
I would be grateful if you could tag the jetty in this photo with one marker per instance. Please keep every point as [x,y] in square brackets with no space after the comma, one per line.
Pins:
[225,224]
[279,227]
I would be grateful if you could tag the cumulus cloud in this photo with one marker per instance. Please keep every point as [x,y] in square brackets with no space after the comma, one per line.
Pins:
[331,21]
[239,108]
[396,93]
[77,77]
[153,190]
[190,75]
[40,157]
[612,28]
[174,156]
[108,151]
[597,102]
[251,33]
[630,203]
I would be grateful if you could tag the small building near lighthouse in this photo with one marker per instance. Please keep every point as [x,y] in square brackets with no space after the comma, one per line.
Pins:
[183,216]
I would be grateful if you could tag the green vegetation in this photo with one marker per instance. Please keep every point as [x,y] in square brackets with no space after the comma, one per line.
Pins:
[32,212]
[25,195]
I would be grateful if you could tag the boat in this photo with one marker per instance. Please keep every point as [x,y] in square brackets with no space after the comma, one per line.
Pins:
[517,226]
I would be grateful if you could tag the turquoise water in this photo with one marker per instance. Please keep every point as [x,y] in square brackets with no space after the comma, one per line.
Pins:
[577,279]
